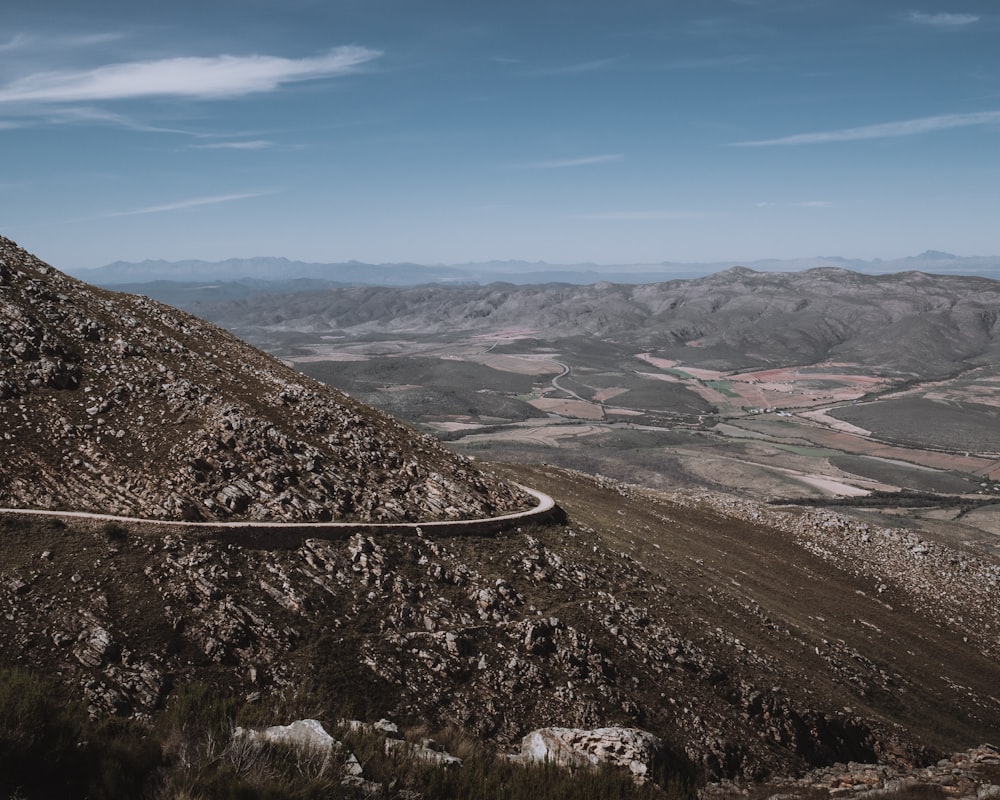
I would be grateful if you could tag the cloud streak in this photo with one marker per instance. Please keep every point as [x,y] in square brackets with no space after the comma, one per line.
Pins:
[23,41]
[942,20]
[192,77]
[636,216]
[799,204]
[585,161]
[255,144]
[579,68]
[14,43]
[885,130]
[193,202]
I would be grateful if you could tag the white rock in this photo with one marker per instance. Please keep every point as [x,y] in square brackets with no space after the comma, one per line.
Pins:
[422,753]
[307,735]
[631,748]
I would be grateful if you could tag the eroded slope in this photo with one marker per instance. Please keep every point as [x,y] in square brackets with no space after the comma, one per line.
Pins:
[754,641]
[116,404]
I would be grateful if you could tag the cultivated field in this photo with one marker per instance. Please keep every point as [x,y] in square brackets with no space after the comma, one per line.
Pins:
[833,429]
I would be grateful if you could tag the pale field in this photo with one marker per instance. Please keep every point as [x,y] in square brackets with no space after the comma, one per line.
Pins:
[400,387]
[521,365]
[505,335]
[546,435]
[328,355]
[661,363]
[666,377]
[623,412]
[606,394]
[825,484]
[821,417]
[451,427]
[578,409]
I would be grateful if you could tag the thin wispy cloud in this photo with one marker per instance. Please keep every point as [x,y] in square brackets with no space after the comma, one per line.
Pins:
[800,204]
[885,130]
[193,202]
[23,41]
[191,77]
[89,115]
[636,216]
[14,43]
[942,20]
[582,67]
[564,163]
[83,115]
[256,144]
[708,63]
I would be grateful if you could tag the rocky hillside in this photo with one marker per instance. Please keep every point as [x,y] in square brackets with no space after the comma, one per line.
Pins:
[909,322]
[116,404]
[755,642]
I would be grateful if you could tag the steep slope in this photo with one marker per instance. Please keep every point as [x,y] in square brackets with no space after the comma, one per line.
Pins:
[907,322]
[755,641]
[115,404]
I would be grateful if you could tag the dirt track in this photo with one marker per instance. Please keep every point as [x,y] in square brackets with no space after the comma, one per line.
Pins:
[544,510]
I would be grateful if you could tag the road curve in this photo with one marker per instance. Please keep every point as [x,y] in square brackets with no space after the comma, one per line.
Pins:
[544,510]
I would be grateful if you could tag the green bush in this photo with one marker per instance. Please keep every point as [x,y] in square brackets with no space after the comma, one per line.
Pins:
[49,748]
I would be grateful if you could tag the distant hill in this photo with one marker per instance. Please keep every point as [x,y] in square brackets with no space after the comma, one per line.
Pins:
[909,322]
[279,271]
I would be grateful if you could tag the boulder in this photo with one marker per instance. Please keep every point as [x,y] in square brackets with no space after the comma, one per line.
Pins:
[306,735]
[630,748]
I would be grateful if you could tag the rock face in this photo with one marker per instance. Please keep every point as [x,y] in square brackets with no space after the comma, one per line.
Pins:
[115,404]
[635,750]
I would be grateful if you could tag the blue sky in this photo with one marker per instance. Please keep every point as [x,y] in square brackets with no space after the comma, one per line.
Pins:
[439,131]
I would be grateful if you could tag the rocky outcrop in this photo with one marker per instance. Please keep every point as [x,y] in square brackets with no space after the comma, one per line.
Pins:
[630,748]
[115,404]
[971,775]
[309,738]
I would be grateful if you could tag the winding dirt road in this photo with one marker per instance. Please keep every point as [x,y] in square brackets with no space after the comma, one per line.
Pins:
[543,510]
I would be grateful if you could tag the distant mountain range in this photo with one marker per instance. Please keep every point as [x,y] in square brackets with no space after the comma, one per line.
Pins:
[258,275]
[909,321]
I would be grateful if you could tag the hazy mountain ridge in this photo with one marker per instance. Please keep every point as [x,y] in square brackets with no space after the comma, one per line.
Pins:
[116,404]
[278,270]
[905,322]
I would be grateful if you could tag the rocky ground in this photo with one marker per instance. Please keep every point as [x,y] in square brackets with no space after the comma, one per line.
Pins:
[755,643]
[116,404]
